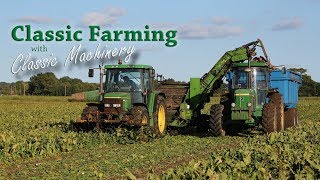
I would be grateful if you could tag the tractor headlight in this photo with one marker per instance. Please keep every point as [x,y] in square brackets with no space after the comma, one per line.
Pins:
[233,104]
[116,105]
[106,105]
[249,104]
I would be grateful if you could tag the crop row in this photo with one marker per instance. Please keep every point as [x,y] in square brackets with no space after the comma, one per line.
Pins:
[294,153]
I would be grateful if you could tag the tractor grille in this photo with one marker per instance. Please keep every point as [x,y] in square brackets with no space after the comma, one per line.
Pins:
[113,106]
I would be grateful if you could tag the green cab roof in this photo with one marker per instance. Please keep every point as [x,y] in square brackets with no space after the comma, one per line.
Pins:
[252,64]
[124,66]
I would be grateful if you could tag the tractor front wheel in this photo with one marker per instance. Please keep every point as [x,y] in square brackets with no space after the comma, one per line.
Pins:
[159,117]
[269,118]
[216,120]
[277,100]
[140,115]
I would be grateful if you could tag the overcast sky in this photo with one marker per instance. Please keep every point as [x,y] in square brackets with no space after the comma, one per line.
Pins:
[206,30]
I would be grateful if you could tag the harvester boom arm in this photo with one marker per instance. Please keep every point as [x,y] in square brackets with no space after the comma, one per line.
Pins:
[212,80]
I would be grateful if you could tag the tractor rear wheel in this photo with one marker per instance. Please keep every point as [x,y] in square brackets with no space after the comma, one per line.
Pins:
[216,120]
[269,118]
[159,117]
[291,117]
[140,115]
[277,100]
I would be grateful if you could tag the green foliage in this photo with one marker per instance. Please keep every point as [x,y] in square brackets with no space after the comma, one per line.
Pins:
[294,153]
[43,84]
[46,84]
[309,87]
[31,126]
[36,142]
[130,136]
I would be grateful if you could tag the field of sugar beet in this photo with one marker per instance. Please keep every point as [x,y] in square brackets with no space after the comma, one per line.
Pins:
[36,142]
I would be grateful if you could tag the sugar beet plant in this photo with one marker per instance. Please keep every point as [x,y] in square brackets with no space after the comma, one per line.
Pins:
[32,126]
[40,126]
[293,154]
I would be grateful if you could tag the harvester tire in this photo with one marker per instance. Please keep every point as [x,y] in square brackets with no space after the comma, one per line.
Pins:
[269,118]
[291,117]
[216,120]
[277,100]
[140,115]
[160,117]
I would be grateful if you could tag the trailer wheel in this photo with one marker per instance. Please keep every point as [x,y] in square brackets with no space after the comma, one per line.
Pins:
[291,117]
[140,115]
[277,100]
[216,121]
[159,117]
[269,118]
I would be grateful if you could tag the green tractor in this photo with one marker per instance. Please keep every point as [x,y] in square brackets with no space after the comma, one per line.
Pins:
[247,102]
[127,96]
[259,94]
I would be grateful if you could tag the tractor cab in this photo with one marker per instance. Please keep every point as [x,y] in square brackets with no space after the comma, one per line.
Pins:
[249,85]
[244,77]
[134,80]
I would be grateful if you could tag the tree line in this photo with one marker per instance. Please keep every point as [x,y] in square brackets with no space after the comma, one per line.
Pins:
[309,86]
[47,84]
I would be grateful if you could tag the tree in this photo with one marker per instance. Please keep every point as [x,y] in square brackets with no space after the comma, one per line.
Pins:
[43,84]
[309,87]
[5,88]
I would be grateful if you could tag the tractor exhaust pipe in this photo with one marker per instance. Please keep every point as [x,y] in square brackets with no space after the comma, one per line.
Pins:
[101,82]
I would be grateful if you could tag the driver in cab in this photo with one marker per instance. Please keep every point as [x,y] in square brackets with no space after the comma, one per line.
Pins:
[130,83]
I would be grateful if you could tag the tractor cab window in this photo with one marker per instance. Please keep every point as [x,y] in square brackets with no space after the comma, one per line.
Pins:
[123,80]
[259,78]
[146,80]
[240,79]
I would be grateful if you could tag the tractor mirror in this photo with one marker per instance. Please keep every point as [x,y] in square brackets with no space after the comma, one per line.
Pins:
[152,73]
[90,73]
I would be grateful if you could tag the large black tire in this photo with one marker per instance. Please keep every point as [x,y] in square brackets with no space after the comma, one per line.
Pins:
[140,115]
[216,120]
[269,118]
[291,117]
[277,100]
[160,117]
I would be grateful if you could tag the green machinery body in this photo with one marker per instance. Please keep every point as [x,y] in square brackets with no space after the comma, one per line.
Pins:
[126,97]
[249,87]
[115,101]
[201,89]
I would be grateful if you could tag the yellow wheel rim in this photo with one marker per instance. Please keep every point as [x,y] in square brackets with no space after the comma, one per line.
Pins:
[161,119]
[144,120]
